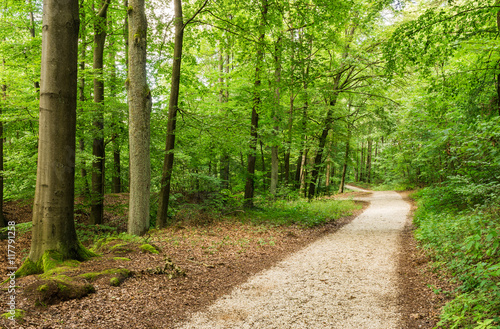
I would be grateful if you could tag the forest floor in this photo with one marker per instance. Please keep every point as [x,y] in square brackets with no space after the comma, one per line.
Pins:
[215,258]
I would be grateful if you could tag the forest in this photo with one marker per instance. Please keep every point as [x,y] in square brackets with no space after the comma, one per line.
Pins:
[199,109]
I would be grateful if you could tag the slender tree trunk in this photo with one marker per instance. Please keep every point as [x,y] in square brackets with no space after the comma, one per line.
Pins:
[53,208]
[368,174]
[97,196]
[139,104]
[288,143]
[33,36]
[116,177]
[168,165]
[82,98]
[249,186]
[275,117]
[362,162]
[298,170]
[322,140]
[346,160]
[224,98]
[303,171]
[327,178]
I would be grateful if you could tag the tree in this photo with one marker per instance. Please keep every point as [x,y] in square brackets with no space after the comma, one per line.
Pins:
[254,125]
[53,217]
[139,100]
[97,199]
[168,164]
[173,107]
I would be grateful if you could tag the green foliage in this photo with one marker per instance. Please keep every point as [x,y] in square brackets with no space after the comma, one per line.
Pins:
[299,212]
[467,243]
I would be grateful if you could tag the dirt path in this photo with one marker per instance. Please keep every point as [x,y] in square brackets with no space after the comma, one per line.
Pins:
[344,280]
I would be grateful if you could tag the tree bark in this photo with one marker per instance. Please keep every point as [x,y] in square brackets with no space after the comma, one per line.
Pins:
[322,140]
[4,98]
[250,183]
[168,164]
[346,159]
[368,171]
[53,222]
[82,98]
[275,117]
[224,98]
[116,176]
[97,195]
[139,102]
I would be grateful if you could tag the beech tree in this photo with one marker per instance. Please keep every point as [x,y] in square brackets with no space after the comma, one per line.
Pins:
[53,208]
[139,100]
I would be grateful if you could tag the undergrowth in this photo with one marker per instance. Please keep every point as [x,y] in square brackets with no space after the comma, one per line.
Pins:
[300,212]
[465,238]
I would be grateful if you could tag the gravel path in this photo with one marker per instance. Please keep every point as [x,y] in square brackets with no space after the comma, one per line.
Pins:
[345,280]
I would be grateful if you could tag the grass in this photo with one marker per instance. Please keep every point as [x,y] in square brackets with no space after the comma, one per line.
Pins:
[299,212]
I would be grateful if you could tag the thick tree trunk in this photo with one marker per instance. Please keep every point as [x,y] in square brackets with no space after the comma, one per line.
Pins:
[168,164]
[249,186]
[53,223]
[4,97]
[139,103]
[97,196]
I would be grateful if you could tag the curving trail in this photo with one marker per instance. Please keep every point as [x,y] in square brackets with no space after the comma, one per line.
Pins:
[345,280]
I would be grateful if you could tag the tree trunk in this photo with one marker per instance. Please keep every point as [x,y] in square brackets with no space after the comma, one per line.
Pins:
[82,98]
[288,143]
[249,186]
[116,176]
[368,170]
[298,171]
[224,98]
[97,196]
[346,159]
[4,98]
[139,104]
[53,208]
[275,117]
[168,164]
[322,139]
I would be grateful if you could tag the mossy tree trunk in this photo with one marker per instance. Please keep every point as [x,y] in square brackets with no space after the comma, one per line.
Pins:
[53,222]
[139,102]
[2,219]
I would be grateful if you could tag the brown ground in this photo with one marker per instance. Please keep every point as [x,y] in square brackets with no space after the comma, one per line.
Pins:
[215,257]
[420,306]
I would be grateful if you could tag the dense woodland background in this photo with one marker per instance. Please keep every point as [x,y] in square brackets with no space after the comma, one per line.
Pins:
[283,100]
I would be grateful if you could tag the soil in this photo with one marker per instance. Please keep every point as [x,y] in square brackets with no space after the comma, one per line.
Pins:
[216,257]
[419,303]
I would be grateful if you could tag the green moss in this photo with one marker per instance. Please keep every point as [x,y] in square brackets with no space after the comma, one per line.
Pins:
[114,281]
[43,288]
[148,248]
[16,314]
[28,268]
[122,258]
[120,272]
[52,259]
